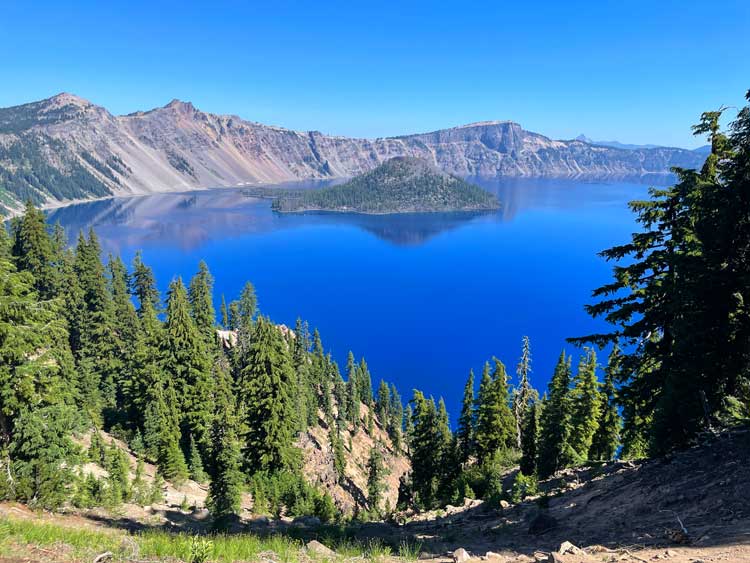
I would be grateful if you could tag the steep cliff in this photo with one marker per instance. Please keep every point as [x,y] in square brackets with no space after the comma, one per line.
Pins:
[66,148]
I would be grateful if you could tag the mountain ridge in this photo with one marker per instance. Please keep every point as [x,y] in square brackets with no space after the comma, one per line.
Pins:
[66,147]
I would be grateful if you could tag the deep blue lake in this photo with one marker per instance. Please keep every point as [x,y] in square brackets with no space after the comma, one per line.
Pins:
[423,297]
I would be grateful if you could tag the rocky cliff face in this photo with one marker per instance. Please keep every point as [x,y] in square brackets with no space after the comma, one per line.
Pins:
[67,148]
[350,492]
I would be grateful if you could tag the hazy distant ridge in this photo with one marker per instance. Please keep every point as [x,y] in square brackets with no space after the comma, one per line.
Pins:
[66,148]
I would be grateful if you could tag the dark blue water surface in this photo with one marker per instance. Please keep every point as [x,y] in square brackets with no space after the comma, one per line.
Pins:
[423,297]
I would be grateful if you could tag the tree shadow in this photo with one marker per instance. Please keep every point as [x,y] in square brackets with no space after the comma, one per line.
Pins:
[649,503]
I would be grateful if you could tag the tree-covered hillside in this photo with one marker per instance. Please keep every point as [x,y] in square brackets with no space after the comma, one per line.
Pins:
[84,344]
[89,345]
[399,185]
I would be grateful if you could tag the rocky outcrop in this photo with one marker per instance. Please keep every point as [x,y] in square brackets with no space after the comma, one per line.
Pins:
[67,148]
[350,493]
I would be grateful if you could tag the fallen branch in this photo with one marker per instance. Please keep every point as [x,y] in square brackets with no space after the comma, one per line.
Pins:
[682,526]
[103,557]
[632,556]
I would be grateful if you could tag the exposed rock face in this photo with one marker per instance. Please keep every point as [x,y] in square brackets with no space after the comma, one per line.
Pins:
[320,470]
[76,149]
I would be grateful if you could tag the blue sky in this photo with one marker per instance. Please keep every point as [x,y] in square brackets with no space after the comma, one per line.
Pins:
[633,71]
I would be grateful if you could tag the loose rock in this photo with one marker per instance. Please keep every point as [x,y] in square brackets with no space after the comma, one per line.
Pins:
[318,548]
[567,547]
[461,555]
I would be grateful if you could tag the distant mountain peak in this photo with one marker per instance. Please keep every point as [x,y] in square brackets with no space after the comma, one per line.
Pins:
[68,99]
[90,152]
[584,139]
[179,105]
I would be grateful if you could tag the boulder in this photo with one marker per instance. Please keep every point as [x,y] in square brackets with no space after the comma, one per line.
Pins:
[504,504]
[200,514]
[567,547]
[461,555]
[319,549]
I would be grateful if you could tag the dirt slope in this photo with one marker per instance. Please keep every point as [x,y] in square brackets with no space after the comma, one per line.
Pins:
[691,502]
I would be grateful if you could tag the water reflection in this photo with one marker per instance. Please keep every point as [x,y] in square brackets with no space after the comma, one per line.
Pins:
[189,220]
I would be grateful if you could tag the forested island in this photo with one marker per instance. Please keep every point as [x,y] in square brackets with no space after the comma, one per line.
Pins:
[399,185]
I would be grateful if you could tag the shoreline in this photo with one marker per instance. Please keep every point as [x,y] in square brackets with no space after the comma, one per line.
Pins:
[377,213]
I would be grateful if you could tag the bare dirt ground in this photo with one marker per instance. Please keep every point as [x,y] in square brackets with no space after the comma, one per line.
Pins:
[691,507]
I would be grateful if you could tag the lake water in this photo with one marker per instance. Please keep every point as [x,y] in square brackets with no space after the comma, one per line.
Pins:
[422,297]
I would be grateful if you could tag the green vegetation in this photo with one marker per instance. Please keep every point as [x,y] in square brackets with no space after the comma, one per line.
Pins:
[83,346]
[679,360]
[86,543]
[25,173]
[180,164]
[399,185]
[678,300]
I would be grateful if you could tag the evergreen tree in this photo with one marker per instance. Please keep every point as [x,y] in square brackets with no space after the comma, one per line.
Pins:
[408,424]
[365,383]
[445,453]
[5,248]
[225,491]
[42,455]
[125,326]
[586,406]
[555,451]
[163,431]
[495,427]
[195,463]
[423,445]
[242,316]
[224,313]
[340,396]
[143,285]
[139,486]
[522,395]
[607,437]
[36,367]
[383,403]
[264,389]
[147,363]
[200,296]
[465,432]
[530,436]
[34,252]
[97,356]
[234,315]
[337,450]
[353,389]
[306,398]
[676,302]
[376,474]
[186,364]
[396,417]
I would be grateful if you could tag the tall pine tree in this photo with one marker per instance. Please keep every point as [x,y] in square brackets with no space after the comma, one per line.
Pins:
[265,392]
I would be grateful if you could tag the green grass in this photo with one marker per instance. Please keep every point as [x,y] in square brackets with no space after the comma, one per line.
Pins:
[224,548]
[82,541]
[409,550]
[16,536]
